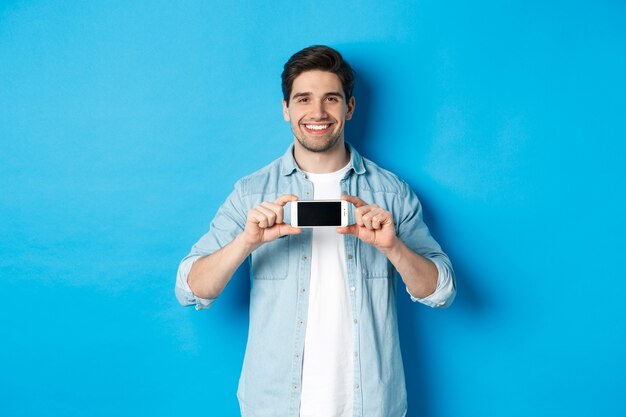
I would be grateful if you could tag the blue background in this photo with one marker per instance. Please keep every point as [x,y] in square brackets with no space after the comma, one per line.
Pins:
[124,125]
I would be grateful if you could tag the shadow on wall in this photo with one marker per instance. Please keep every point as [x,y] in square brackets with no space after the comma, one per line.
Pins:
[414,336]
[238,292]
[357,129]
[469,302]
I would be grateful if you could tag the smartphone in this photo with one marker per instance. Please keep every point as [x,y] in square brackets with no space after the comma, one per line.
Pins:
[319,213]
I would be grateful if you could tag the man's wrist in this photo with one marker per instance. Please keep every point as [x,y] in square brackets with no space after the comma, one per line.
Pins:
[392,250]
[247,247]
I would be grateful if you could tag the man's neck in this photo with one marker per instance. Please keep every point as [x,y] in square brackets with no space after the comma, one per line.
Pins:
[321,162]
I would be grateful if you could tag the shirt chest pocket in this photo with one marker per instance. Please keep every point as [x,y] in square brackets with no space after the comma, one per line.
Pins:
[374,264]
[271,261]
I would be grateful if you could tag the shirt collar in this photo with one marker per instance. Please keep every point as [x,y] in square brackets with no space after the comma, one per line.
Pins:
[288,163]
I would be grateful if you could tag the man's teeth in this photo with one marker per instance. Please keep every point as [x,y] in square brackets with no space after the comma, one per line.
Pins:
[316,127]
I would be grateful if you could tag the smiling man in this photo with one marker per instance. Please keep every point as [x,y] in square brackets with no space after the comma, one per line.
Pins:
[323,336]
[318,110]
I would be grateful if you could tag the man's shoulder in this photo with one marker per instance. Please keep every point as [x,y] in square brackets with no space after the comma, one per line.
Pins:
[383,179]
[261,176]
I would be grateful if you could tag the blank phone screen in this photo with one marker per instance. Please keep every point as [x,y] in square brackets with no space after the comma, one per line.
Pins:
[319,213]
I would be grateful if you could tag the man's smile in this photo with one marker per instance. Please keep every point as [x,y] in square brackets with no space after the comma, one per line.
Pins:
[317,128]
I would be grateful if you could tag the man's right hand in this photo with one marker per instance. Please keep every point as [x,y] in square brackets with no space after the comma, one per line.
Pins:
[265,222]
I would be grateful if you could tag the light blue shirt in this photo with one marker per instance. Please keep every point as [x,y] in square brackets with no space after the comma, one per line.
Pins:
[272,371]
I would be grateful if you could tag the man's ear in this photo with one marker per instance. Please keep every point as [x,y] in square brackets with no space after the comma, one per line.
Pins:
[286,111]
[351,105]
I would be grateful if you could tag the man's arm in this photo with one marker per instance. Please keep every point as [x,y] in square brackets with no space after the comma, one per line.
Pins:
[422,276]
[418,273]
[210,274]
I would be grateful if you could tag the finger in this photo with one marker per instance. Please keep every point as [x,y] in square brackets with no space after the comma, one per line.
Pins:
[287,229]
[375,223]
[354,200]
[271,216]
[367,219]
[378,217]
[385,217]
[360,212]
[257,217]
[372,211]
[380,220]
[285,198]
[275,209]
[353,229]
[278,210]
[358,217]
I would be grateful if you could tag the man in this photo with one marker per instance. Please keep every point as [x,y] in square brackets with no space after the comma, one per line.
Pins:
[323,337]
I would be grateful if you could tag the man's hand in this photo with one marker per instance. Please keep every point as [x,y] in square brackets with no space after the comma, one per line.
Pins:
[374,225]
[210,274]
[265,222]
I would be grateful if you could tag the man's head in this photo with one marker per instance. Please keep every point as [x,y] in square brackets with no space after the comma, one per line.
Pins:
[317,89]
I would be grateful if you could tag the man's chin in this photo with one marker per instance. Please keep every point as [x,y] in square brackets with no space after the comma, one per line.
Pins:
[318,145]
[317,149]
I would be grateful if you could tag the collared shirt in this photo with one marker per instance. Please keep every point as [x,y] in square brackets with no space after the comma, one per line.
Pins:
[272,371]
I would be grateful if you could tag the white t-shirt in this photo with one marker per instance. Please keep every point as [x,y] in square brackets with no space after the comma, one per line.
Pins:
[327,369]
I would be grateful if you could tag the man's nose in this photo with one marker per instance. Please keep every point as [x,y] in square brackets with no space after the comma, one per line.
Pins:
[319,110]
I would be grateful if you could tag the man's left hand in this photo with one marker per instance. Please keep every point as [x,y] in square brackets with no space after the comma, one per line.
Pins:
[374,225]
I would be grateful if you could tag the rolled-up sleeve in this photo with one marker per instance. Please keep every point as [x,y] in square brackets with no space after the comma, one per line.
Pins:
[184,295]
[228,222]
[446,290]
[415,234]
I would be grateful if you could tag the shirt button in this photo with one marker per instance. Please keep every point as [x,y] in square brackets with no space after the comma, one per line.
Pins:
[303,290]
[356,386]
[352,288]
[295,386]
[300,322]
[304,258]
[349,256]
[354,321]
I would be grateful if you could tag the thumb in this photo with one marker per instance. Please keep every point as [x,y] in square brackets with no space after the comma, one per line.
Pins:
[286,229]
[348,230]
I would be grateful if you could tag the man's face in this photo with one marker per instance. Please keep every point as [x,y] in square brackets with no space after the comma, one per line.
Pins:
[318,110]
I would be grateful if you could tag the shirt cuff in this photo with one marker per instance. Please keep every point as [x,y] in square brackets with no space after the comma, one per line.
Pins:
[184,295]
[444,292]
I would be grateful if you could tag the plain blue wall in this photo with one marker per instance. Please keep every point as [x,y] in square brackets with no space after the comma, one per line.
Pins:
[124,125]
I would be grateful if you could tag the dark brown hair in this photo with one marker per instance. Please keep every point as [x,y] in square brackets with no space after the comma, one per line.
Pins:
[318,57]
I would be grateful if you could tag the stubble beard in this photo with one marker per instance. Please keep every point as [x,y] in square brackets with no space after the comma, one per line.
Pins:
[318,145]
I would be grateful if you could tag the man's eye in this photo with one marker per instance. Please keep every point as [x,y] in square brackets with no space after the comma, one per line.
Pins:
[332,99]
[303,100]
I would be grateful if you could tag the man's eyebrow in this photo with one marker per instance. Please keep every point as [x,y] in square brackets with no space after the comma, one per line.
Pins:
[330,93]
[305,94]
[334,94]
